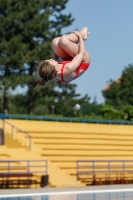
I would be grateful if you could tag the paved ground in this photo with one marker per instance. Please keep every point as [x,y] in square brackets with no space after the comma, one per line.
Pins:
[48,189]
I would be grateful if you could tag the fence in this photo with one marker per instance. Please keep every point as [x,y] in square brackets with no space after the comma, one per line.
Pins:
[105,167]
[1,136]
[13,174]
[67,119]
[26,165]
[12,131]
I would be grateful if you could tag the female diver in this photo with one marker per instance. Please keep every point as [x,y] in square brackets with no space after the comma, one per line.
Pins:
[75,59]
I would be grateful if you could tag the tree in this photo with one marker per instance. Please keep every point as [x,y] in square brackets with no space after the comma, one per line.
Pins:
[127,113]
[109,112]
[61,97]
[68,98]
[120,93]
[27,28]
[90,109]
[18,104]
[112,95]
[126,89]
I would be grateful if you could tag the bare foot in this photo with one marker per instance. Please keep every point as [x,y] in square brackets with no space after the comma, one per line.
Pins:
[84,32]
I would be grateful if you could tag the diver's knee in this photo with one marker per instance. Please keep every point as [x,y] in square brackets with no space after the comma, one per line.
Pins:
[55,42]
[63,40]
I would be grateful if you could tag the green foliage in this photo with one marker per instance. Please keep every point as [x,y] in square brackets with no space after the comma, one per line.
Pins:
[109,112]
[62,96]
[43,106]
[90,109]
[127,113]
[127,85]
[112,95]
[27,29]
[41,110]
[121,93]
[119,97]
[18,104]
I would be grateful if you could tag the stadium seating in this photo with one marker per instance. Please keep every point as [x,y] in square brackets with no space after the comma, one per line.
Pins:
[16,148]
[62,143]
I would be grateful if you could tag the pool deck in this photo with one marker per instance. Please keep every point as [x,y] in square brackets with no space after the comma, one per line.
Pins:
[44,190]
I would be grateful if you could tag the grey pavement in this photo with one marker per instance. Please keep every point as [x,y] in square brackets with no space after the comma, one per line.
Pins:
[54,190]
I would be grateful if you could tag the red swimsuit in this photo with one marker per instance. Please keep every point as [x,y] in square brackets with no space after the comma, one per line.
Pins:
[83,66]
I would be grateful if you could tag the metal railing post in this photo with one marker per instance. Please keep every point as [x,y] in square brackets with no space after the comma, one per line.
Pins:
[28,165]
[8,166]
[93,166]
[12,132]
[3,122]
[8,169]
[108,165]
[123,166]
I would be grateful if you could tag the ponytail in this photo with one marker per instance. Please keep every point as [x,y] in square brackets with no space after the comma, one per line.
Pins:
[36,84]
